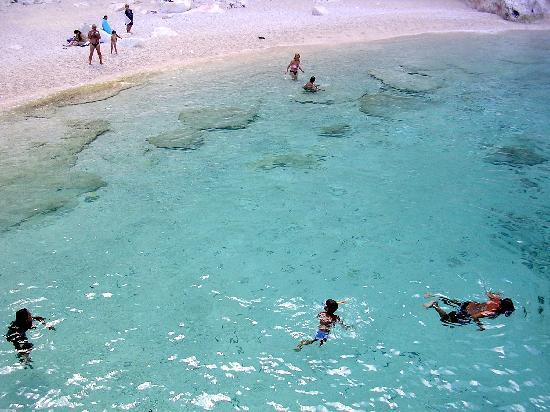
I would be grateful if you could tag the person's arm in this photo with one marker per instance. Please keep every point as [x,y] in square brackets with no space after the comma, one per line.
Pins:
[42,321]
[493,296]
[118,36]
[344,325]
[300,67]
[478,323]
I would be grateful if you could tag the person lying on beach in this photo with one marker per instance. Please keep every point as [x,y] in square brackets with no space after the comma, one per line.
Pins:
[294,66]
[17,333]
[311,86]
[105,26]
[471,311]
[77,40]
[114,38]
[94,37]
[327,319]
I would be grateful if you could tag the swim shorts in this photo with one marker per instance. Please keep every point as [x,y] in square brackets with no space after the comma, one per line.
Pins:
[321,335]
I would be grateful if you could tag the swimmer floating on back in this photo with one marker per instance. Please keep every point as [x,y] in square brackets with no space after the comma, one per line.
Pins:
[17,333]
[471,311]
[327,319]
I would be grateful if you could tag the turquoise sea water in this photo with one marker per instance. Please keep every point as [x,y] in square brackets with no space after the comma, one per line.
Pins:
[186,277]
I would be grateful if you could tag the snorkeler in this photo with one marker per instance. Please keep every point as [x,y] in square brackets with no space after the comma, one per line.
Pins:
[472,311]
[17,333]
[327,319]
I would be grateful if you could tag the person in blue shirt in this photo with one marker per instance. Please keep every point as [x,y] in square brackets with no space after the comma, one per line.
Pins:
[106,26]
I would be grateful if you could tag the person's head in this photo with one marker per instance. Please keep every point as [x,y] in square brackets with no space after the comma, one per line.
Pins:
[77,32]
[113,32]
[312,79]
[297,56]
[23,317]
[104,17]
[506,307]
[94,27]
[126,6]
[331,306]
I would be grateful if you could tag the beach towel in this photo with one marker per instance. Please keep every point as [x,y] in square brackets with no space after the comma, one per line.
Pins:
[106,27]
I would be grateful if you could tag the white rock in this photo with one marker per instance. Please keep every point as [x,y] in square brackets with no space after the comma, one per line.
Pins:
[117,6]
[131,42]
[176,6]
[163,31]
[513,10]
[319,11]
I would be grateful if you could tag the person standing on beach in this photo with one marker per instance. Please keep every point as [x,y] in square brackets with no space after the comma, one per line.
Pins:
[106,26]
[94,37]
[114,39]
[129,18]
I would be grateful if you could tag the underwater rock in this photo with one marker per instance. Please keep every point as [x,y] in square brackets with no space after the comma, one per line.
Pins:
[293,160]
[515,156]
[36,176]
[207,118]
[43,194]
[389,105]
[336,130]
[523,11]
[182,139]
[405,81]
[46,107]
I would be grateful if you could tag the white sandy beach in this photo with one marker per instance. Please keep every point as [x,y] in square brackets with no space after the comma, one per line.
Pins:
[34,63]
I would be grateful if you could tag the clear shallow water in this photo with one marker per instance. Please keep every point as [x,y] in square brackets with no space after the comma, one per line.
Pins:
[186,281]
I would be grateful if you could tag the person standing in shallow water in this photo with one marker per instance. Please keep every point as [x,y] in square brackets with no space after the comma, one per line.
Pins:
[17,333]
[471,311]
[129,18]
[94,37]
[294,66]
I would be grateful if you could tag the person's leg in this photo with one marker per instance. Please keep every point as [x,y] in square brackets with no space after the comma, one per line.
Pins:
[303,343]
[91,54]
[450,302]
[99,54]
[112,44]
[116,51]
[442,314]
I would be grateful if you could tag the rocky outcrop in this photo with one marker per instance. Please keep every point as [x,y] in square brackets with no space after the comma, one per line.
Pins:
[523,11]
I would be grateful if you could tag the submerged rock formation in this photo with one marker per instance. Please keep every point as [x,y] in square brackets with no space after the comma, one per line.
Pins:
[36,174]
[180,139]
[230,118]
[197,122]
[523,11]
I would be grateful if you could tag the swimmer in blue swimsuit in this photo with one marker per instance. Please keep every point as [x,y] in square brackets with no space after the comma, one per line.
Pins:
[327,319]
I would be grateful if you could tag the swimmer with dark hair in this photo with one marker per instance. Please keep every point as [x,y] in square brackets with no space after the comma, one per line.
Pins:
[471,311]
[327,319]
[17,333]
[311,86]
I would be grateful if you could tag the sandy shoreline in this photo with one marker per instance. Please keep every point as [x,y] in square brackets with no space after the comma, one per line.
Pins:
[43,67]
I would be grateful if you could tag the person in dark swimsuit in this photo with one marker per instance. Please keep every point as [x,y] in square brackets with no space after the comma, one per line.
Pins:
[129,18]
[94,37]
[17,333]
[471,311]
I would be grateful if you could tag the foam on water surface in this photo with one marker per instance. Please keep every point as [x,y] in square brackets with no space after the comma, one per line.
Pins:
[183,279]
